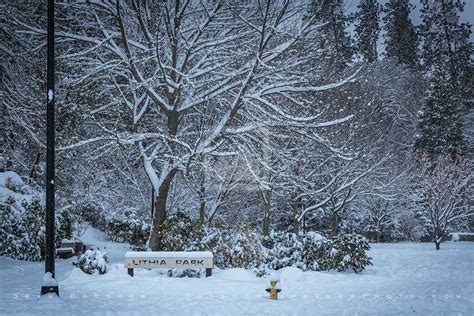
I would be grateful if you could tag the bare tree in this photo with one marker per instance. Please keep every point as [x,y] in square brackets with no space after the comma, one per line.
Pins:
[196,78]
[441,191]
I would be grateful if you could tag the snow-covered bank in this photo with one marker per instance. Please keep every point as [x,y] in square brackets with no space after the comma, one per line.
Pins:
[406,278]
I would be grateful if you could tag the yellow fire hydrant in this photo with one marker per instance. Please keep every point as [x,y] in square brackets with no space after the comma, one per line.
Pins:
[274,288]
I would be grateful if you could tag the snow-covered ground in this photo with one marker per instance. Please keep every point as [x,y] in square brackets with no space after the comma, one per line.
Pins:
[406,278]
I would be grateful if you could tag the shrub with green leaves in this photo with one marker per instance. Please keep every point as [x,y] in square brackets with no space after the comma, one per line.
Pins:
[181,233]
[318,252]
[241,247]
[236,247]
[233,247]
[284,250]
[22,220]
[92,262]
[351,253]
[128,227]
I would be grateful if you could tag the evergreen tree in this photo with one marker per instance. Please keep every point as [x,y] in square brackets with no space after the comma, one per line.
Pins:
[334,36]
[463,63]
[440,124]
[401,40]
[446,41]
[367,29]
[447,62]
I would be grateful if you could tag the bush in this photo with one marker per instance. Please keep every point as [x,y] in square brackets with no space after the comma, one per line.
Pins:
[284,250]
[184,273]
[312,251]
[29,234]
[317,252]
[233,247]
[93,261]
[241,247]
[65,223]
[351,252]
[238,247]
[22,230]
[92,214]
[181,233]
[246,250]
[22,216]
[128,227]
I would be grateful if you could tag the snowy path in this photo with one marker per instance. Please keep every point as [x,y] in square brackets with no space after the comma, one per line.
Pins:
[406,279]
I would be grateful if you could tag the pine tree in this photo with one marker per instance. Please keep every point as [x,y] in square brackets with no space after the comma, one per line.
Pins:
[440,124]
[367,29]
[446,61]
[334,36]
[463,62]
[446,41]
[401,39]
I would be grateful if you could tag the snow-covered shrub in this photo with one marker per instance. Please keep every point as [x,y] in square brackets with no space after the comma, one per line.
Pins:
[284,250]
[350,253]
[65,222]
[246,248]
[13,182]
[317,252]
[7,222]
[128,227]
[233,247]
[215,240]
[22,232]
[22,216]
[93,261]
[237,247]
[185,273]
[30,233]
[94,215]
[181,233]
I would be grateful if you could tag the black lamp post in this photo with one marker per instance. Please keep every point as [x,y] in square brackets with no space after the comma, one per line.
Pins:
[49,283]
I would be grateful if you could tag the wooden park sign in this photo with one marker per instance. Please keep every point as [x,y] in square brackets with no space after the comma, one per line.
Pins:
[169,259]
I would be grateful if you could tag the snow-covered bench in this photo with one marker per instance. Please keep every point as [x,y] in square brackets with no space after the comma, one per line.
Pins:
[76,244]
[65,252]
[169,259]
[462,236]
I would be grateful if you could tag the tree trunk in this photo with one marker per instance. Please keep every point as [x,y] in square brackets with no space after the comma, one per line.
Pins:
[296,225]
[296,222]
[156,235]
[202,201]
[334,224]
[437,238]
[11,142]
[266,212]
[377,230]
[34,170]
[202,210]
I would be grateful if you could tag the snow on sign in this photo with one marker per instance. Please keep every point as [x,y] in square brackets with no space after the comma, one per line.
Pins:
[169,259]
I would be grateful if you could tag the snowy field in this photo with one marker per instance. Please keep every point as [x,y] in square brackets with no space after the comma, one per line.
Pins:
[406,278]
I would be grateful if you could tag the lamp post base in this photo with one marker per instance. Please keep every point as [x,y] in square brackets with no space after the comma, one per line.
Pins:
[49,289]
